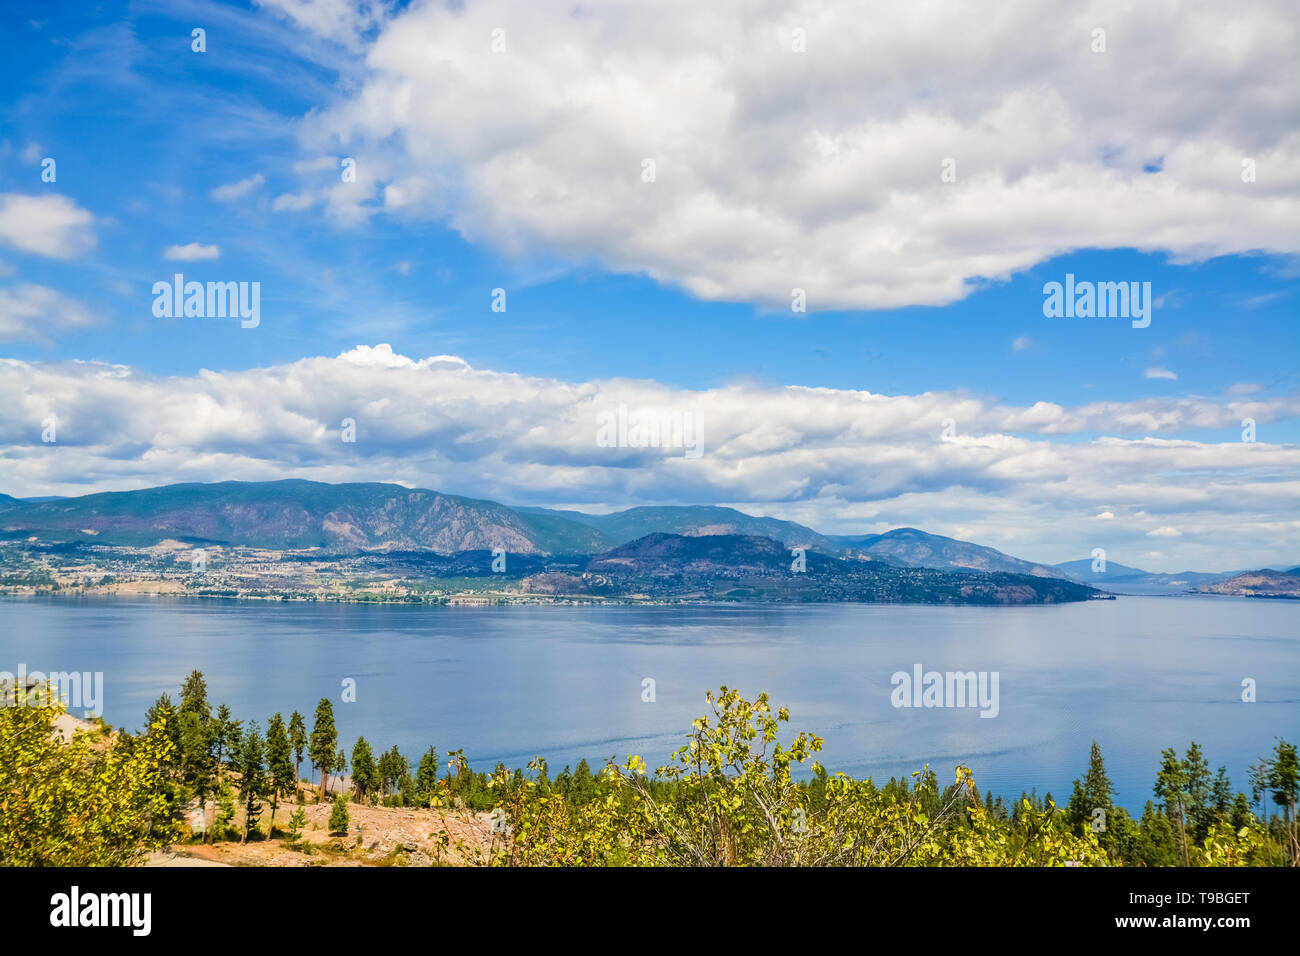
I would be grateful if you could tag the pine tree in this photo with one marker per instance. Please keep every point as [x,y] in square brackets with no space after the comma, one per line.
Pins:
[194,697]
[297,823]
[252,783]
[297,740]
[324,738]
[340,767]
[1199,783]
[426,777]
[365,776]
[225,814]
[225,729]
[339,816]
[1284,782]
[1171,789]
[279,762]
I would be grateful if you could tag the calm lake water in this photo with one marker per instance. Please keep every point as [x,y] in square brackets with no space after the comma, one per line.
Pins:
[1136,674]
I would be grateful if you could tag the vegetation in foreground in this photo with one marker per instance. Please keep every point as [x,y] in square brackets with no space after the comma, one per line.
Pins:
[729,796]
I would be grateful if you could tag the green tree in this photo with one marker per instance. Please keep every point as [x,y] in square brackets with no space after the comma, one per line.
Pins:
[338,823]
[1284,783]
[297,823]
[225,732]
[1171,789]
[1198,791]
[252,783]
[297,740]
[426,777]
[393,768]
[279,763]
[324,738]
[365,777]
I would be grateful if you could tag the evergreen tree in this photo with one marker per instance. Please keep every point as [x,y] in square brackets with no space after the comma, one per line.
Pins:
[339,816]
[1171,789]
[1284,778]
[1284,782]
[279,762]
[225,814]
[426,777]
[297,740]
[1198,789]
[225,729]
[297,823]
[194,697]
[196,759]
[252,783]
[324,738]
[365,776]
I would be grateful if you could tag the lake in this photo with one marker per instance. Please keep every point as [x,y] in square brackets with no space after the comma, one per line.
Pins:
[504,683]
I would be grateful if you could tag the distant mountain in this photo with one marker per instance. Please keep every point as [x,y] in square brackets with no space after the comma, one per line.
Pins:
[8,501]
[1266,583]
[621,527]
[1125,580]
[920,549]
[753,568]
[725,554]
[298,514]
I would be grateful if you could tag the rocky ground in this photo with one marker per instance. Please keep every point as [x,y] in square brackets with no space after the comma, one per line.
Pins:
[377,836]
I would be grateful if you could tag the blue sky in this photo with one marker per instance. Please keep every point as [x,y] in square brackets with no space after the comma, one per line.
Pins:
[144,130]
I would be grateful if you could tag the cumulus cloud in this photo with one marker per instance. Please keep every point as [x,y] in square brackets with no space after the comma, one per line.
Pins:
[49,225]
[34,313]
[697,144]
[192,252]
[838,459]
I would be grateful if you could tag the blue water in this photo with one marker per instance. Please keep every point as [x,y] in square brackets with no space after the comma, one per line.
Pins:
[1135,674]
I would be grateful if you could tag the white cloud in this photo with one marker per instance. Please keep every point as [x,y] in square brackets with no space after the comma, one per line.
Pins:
[1105,516]
[1164,532]
[238,190]
[34,312]
[343,21]
[191,252]
[821,170]
[840,460]
[1021,343]
[1156,371]
[49,225]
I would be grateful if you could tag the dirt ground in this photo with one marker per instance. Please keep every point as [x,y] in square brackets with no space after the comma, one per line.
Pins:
[377,836]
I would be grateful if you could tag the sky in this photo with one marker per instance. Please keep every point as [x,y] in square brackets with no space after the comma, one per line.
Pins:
[816,235]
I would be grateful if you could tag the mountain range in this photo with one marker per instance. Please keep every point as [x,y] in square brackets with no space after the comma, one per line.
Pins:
[295,514]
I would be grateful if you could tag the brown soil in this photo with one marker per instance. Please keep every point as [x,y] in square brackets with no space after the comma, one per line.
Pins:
[377,836]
